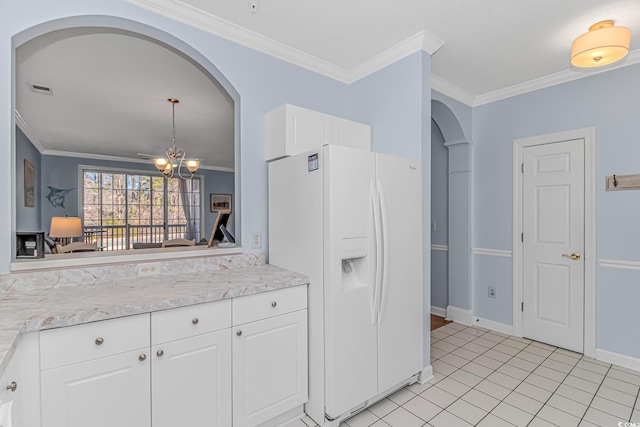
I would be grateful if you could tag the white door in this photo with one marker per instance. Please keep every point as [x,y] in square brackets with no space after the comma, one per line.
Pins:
[350,323]
[269,368]
[106,392]
[191,381]
[400,323]
[553,245]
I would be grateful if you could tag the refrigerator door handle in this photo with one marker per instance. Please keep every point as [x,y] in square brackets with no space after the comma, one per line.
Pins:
[384,285]
[378,237]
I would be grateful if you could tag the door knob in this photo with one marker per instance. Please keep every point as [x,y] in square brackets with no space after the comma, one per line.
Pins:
[574,256]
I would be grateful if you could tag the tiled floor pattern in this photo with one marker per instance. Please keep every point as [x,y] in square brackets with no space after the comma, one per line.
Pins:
[488,379]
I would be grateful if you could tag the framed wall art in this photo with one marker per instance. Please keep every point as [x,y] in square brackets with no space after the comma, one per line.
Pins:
[221,203]
[29,184]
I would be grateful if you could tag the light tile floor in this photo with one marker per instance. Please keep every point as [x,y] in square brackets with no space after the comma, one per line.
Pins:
[484,378]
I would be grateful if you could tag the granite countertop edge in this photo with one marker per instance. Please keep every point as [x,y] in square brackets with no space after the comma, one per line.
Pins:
[37,310]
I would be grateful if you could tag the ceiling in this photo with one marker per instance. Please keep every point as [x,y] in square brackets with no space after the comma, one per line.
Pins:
[110,91]
[113,97]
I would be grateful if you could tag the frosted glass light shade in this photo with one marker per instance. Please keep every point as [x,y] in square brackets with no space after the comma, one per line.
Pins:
[604,44]
[192,165]
[68,226]
[161,163]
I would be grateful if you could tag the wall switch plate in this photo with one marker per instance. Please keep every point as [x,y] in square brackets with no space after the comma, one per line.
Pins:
[256,240]
[492,292]
[149,269]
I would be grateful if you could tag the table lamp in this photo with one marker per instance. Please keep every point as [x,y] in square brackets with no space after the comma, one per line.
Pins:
[65,228]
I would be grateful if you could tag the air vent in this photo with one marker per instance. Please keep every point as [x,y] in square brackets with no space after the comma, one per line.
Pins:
[41,89]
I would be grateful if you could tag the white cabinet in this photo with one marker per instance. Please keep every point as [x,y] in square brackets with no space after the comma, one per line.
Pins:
[105,392]
[10,394]
[290,130]
[191,377]
[269,355]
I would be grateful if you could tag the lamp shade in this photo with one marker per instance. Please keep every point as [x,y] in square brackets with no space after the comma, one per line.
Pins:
[604,44]
[68,226]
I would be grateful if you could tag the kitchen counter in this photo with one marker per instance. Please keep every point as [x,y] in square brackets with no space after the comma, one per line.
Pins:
[24,311]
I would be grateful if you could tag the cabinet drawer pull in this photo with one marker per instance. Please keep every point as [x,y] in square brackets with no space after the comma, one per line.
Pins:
[273,304]
[13,386]
[195,321]
[142,357]
[239,333]
[160,353]
[99,341]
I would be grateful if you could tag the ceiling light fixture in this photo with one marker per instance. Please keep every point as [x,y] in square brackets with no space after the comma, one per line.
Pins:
[604,44]
[171,165]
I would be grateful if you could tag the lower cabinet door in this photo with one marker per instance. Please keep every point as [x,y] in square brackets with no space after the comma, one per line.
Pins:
[191,381]
[269,368]
[106,392]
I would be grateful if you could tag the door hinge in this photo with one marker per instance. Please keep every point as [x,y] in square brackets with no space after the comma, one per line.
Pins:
[522,306]
[522,237]
[522,167]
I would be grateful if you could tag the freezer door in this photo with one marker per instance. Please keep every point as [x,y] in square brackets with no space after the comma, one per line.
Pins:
[350,323]
[400,318]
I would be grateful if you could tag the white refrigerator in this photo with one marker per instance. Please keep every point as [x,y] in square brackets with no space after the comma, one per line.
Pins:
[352,221]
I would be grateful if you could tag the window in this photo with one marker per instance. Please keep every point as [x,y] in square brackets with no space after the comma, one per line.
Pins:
[122,208]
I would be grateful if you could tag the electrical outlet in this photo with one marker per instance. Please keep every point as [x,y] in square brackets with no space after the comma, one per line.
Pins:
[492,292]
[149,269]
[256,240]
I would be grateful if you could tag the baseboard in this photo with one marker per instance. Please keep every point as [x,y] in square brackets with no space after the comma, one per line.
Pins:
[425,375]
[460,315]
[442,312]
[618,359]
[493,325]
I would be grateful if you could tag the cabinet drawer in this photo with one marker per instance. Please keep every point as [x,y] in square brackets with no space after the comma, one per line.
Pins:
[268,304]
[73,344]
[184,322]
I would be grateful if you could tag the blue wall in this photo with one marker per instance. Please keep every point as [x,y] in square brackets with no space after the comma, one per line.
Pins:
[608,101]
[27,218]
[439,215]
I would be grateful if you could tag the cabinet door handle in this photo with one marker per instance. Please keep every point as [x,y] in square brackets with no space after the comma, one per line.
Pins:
[160,353]
[239,333]
[195,321]
[99,341]
[142,357]
[13,386]
[273,304]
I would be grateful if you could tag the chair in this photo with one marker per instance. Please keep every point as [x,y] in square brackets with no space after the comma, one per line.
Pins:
[178,242]
[78,247]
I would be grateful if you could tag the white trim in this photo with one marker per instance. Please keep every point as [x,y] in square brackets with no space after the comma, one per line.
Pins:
[619,264]
[491,252]
[24,127]
[552,80]
[197,18]
[447,88]
[460,315]
[426,375]
[589,136]
[439,311]
[493,325]
[443,248]
[618,359]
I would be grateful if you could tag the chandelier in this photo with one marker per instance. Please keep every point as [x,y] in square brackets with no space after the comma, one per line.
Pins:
[171,164]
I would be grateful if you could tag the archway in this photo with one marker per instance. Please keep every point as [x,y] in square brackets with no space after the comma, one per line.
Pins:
[459,298]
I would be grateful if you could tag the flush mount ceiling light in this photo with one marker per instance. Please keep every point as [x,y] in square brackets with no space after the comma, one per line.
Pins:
[604,44]
[171,164]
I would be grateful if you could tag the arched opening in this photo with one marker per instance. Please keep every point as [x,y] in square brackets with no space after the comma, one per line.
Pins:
[453,283]
[54,31]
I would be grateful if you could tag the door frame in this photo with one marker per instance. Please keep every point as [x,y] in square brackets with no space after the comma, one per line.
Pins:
[589,136]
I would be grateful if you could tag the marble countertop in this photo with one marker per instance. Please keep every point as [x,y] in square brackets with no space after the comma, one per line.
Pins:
[24,311]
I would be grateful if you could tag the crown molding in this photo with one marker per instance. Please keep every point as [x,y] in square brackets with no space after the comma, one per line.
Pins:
[24,127]
[553,79]
[452,91]
[119,159]
[194,17]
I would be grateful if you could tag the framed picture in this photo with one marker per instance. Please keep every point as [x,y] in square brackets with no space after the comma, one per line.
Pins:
[221,203]
[29,184]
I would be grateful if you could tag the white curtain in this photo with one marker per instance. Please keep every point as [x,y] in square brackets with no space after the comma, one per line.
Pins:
[189,207]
